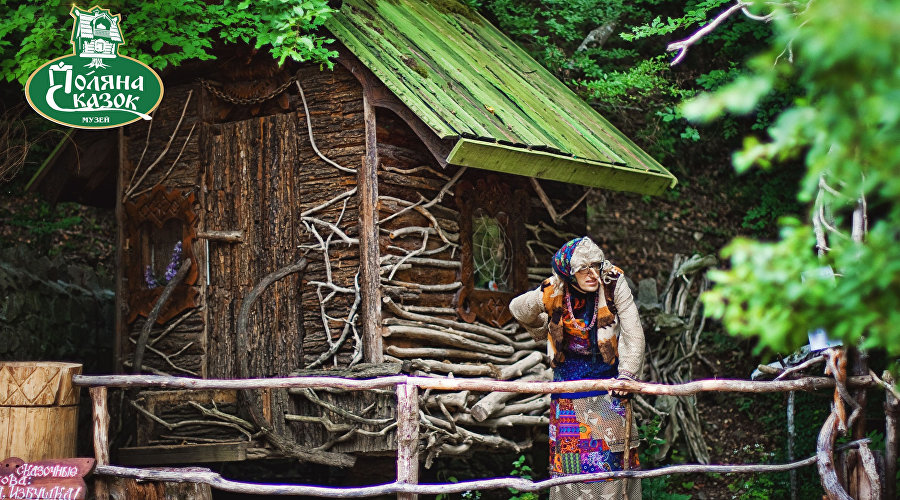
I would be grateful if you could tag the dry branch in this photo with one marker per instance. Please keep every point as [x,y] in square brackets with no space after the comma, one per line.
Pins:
[495,401]
[252,403]
[443,287]
[433,336]
[540,404]
[162,154]
[505,421]
[218,482]
[313,398]
[141,344]
[312,140]
[824,454]
[441,353]
[682,45]
[493,333]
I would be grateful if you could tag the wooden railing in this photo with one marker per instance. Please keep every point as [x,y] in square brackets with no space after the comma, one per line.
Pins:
[406,485]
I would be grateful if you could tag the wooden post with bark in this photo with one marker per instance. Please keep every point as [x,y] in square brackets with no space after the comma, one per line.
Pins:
[100,418]
[407,437]
[370,281]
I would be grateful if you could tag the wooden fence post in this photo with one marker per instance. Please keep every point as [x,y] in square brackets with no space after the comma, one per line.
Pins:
[407,437]
[891,410]
[100,417]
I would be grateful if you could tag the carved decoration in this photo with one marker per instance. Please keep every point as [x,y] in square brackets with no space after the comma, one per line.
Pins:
[508,203]
[151,212]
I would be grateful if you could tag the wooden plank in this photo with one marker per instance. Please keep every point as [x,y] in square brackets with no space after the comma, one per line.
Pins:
[369,279]
[500,158]
[183,454]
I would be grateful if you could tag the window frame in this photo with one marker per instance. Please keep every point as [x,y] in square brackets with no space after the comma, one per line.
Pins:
[506,200]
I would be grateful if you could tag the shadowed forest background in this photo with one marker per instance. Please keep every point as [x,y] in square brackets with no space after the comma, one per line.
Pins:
[798,114]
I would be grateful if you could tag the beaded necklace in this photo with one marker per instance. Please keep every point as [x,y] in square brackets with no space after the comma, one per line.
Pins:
[572,314]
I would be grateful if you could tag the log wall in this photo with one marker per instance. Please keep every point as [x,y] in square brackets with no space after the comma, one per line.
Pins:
[259,178]
[420,278]
[164,152]
[262,176]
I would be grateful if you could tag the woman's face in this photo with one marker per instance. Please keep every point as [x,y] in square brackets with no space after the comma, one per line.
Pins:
[588,279]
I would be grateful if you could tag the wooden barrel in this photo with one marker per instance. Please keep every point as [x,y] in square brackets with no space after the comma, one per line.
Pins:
[38,410]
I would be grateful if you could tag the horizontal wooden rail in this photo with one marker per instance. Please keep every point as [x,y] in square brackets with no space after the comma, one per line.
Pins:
[406,486]
[458,384]
[165,382]
[216,481]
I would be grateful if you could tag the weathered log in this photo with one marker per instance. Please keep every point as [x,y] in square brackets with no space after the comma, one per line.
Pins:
[360,371]
[466,370]
[477,337]
[869,484]
[443,287]
[494,401]
[541,404]
[519,368]
[446,311]
[419,230]
[457,401]
[505,421]
[443,338]
[424,261]
[442,353]
[494,333]
[491,442]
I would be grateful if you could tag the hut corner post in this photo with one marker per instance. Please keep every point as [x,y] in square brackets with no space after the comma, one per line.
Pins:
[407,437]
[891,410]
[367,180]
[101,437]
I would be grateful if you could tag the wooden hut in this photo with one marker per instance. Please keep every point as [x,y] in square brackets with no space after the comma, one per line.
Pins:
[371,219]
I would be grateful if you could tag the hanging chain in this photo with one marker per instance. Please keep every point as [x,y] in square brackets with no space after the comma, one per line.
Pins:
[244,101]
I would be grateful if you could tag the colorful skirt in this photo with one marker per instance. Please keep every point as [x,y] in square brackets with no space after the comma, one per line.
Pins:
[587,435]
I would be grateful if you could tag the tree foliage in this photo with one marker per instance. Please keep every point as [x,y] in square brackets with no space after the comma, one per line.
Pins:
[843,125]
[162,33]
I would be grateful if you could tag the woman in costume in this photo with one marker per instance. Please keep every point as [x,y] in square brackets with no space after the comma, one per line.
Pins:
[589,318]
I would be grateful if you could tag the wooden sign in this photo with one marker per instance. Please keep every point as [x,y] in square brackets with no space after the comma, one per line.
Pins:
[46,479]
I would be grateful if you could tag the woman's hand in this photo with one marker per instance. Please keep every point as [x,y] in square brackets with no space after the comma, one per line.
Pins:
[620,393]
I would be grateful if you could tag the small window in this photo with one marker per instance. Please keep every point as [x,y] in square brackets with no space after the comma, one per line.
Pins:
[492,214]
[491,253]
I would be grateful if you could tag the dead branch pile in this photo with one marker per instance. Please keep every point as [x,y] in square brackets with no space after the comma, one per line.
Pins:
[673,342]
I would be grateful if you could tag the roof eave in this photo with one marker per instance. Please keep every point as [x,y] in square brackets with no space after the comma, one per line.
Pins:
[544,165]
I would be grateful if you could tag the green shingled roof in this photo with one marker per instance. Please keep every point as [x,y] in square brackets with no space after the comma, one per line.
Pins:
[476,88]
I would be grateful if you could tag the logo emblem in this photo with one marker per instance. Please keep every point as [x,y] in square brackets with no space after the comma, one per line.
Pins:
[94,87]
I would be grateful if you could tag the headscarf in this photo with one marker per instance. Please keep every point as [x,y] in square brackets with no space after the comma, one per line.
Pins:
[575,255]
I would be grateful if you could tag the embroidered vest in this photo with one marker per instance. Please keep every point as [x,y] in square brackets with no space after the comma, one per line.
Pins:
[564,336]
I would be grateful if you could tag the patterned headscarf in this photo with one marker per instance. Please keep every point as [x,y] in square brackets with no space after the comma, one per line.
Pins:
[573,256]
[562,260]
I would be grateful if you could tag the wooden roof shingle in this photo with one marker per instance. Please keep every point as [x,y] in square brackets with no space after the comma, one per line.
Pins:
[471,84]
